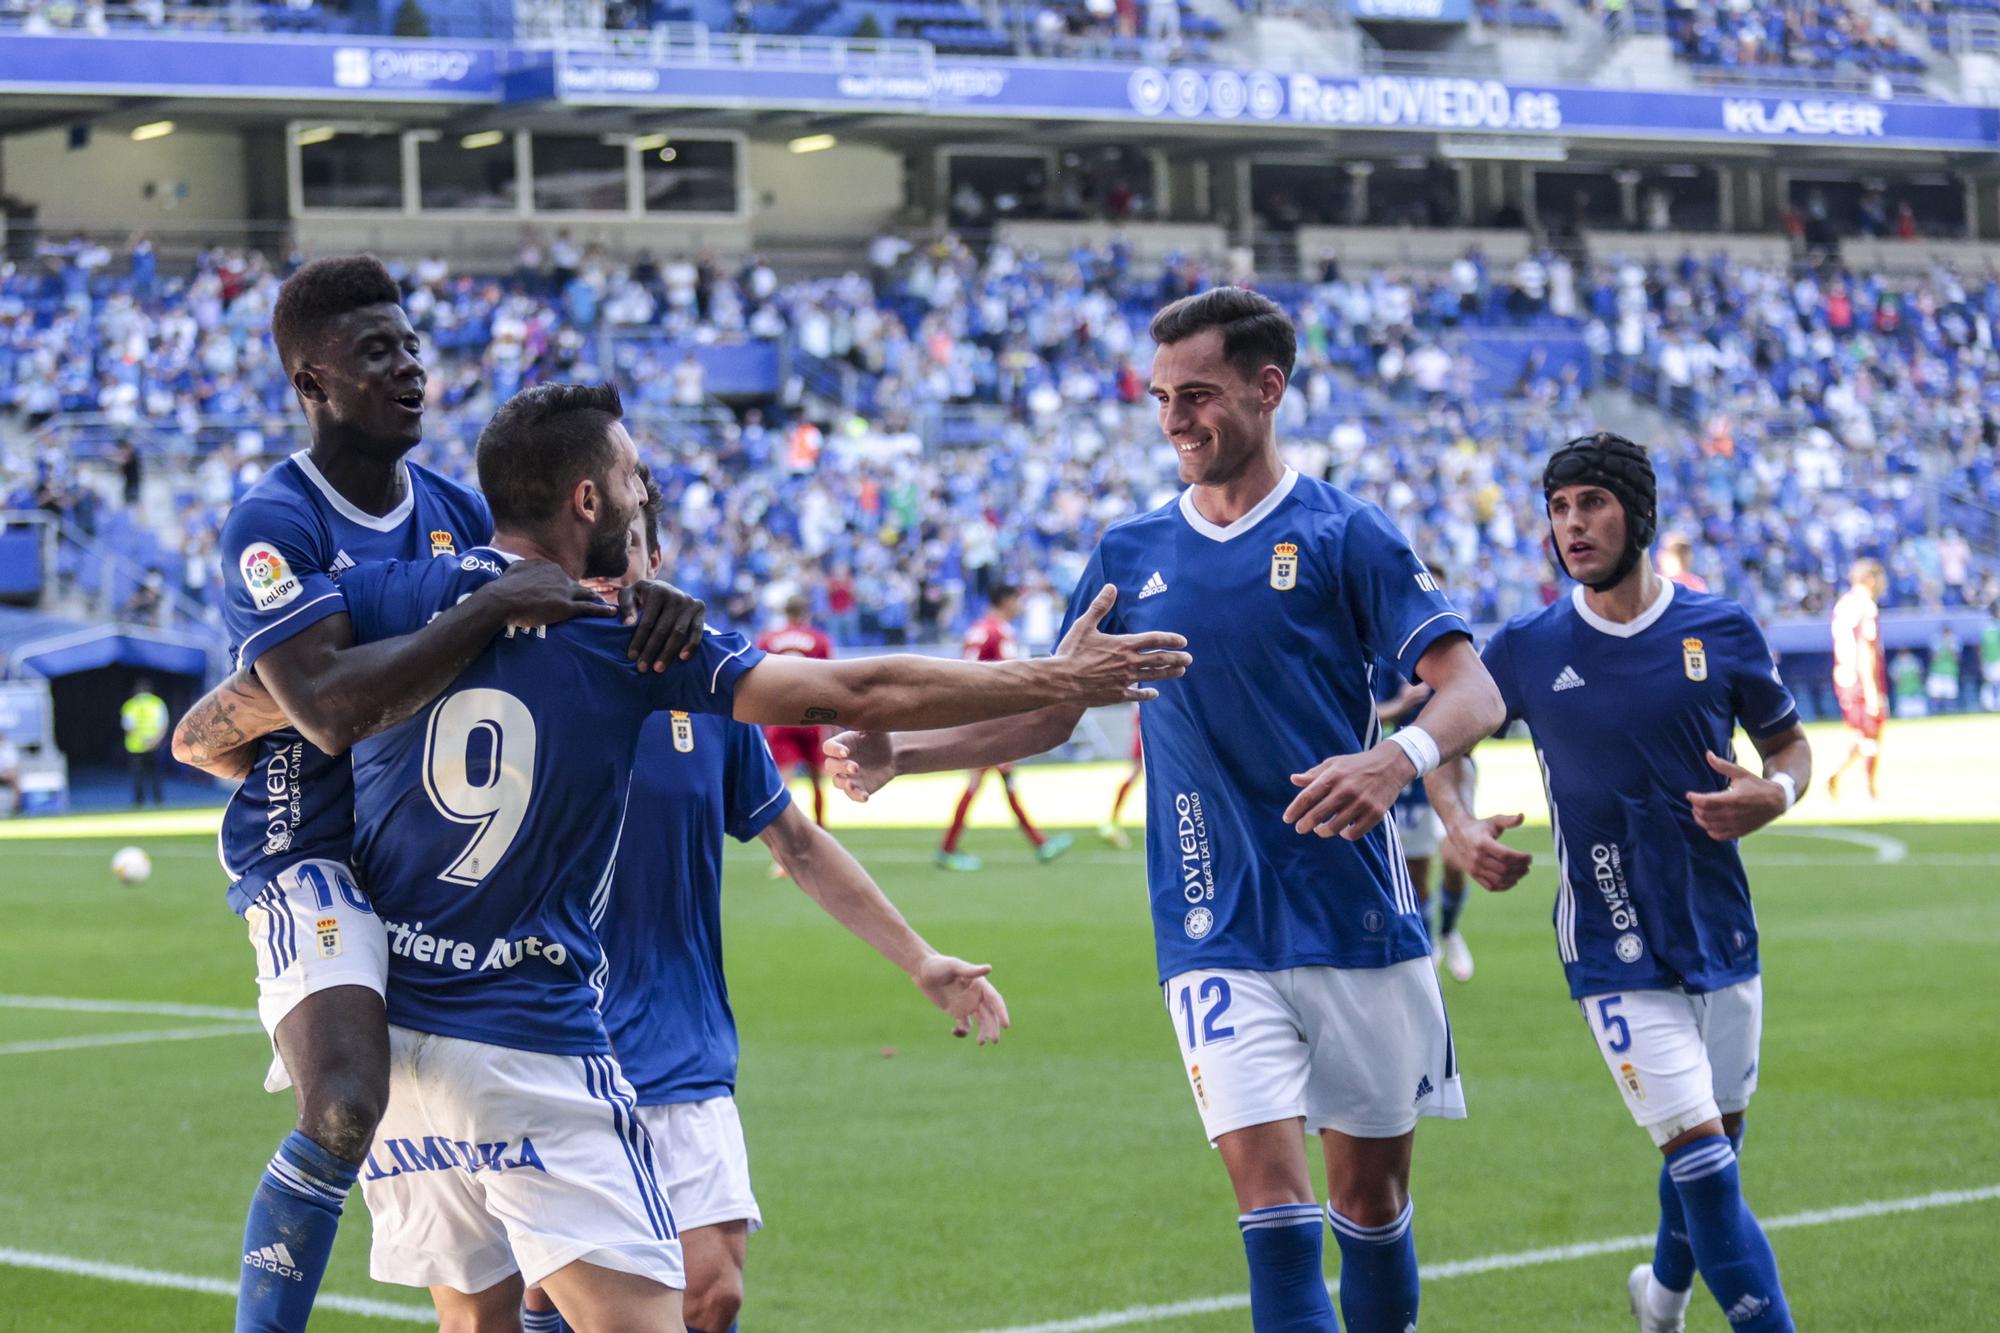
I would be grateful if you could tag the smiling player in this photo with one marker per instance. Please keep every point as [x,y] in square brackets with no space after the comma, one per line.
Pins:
[1294,965]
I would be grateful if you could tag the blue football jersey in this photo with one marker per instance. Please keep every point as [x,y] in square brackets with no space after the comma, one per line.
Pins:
[666,1004]
[1286,611]
[1621,716]
[291,538]
[486,827]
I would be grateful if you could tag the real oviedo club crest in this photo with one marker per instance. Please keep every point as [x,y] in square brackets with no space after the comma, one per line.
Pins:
[1285,566]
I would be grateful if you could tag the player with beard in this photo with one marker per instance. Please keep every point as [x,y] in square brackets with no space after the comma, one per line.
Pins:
[355,365]
[487,829]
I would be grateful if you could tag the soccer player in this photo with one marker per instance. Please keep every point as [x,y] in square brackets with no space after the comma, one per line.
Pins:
[486,831]
[1418,827]
[1293,962]
[347,345]
[1861,670]
[1632,687]
[796,748]
[1111,832]
[991,639]
[667,1003]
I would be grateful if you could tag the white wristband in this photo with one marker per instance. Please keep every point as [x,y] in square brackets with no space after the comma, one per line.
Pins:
[1420,747]
[1791,789]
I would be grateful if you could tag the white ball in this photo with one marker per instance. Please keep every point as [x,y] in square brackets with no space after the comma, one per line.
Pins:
[132,865]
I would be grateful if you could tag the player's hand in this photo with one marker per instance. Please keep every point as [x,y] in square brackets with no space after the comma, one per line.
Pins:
[1347,795]
[533,593]
[861,763]
[1747,804]
[667,622]
[1477,849]
[962,990]
[1115,668]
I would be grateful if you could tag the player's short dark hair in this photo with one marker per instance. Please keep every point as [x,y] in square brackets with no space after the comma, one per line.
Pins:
[1002,591]
[321,292]
[656,502]
[539,445]
[1256,332]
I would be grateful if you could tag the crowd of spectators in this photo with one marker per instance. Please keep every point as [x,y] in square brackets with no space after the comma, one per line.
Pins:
[1000,421]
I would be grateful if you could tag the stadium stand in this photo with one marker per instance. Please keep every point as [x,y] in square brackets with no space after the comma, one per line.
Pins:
[896,443]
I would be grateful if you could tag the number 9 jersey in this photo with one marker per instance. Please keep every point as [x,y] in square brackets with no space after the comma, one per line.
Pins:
[486,827]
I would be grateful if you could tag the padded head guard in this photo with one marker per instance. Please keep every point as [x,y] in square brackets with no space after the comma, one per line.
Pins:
[1621,467]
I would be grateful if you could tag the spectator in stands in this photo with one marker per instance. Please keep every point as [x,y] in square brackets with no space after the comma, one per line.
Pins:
[144,721]
[1163,22]
[148,600]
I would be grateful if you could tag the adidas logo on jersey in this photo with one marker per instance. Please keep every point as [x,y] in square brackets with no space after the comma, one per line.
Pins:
[1568,680]
[1746,1309]
[1154,586]
[342,562]
[275,1259]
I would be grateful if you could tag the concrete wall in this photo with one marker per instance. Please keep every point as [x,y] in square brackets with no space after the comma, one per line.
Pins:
[103,185]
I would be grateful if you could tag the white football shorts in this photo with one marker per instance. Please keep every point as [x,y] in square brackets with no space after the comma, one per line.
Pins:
[704,1162]
[312,929]
[491,1161]
[1680,1059]
[1421,831]
[1366,1051]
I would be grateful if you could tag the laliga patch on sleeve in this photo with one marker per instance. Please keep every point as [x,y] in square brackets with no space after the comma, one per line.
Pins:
[269,579]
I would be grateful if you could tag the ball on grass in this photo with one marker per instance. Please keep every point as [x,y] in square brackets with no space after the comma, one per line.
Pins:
[131,865]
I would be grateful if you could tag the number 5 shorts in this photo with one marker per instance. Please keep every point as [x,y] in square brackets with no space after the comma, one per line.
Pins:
[1365,1051]
[491,1161]
[312,929]
[1687,1058]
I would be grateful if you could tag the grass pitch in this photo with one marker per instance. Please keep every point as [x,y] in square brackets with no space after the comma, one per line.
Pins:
[911,1182]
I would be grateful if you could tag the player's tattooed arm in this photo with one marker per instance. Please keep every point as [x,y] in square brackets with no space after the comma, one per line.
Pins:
[337,692]
[914,693]
[219,735]
[1750,802]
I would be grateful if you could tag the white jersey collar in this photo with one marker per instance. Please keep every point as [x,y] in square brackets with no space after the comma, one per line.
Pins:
[1631,627]
[1261,511]
[388,522]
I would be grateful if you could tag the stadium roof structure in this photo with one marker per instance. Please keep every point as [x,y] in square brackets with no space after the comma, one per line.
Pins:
[33,644]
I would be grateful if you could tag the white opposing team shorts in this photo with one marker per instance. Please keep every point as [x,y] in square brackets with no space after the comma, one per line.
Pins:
[1680,1059]
[1365,1050]
[1421,831]
[491,1161]
[312,929]
[704,1162]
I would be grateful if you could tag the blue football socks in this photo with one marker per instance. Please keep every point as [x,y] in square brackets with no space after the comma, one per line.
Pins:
[542,1321]
[1378,1273]
[288,1235]
[1287,1285]
[1729,1247]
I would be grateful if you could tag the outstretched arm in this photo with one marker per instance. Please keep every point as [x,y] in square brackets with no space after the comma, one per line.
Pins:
[916,693]
[863,762]
[831,877]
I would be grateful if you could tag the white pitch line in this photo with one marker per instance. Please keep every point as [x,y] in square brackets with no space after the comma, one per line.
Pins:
[1888,850]
[126,1038]
[1493,1263]
[161,1008]
[1140,1314]
[207,1286]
